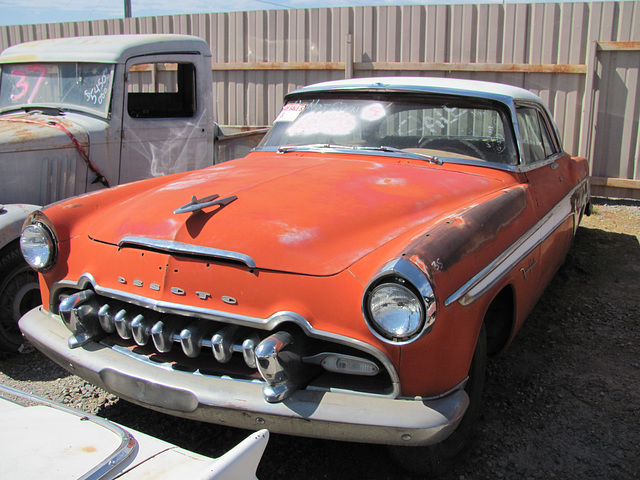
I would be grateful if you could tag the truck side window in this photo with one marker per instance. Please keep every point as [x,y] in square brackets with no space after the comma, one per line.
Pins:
[161,90]
[535,137]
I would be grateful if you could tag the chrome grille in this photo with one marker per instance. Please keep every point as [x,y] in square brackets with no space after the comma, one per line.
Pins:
[287,359]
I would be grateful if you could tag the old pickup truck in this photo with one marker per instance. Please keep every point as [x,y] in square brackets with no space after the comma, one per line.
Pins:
[82,114]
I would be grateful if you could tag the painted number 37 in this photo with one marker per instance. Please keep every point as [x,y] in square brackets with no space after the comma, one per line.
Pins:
[23,84]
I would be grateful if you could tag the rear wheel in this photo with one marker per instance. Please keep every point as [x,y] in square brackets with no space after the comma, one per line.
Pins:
[440,458]
[19,293]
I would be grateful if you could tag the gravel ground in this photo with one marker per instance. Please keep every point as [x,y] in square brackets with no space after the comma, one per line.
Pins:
[562,402]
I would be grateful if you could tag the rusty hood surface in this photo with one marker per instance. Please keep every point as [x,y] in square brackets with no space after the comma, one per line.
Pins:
[312,214]
[32,131]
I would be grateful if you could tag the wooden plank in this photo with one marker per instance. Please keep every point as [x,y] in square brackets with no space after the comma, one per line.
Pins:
[474,67]
[588,104]
[406,66]
[615,182]
[618,46]
[231,66]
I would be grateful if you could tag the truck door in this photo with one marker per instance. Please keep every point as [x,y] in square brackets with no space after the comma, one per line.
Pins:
[166,128]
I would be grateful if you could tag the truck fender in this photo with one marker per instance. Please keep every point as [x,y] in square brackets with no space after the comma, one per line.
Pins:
[19,291]
[11,219]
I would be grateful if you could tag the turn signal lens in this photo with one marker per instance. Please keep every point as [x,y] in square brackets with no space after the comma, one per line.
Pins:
[349,365]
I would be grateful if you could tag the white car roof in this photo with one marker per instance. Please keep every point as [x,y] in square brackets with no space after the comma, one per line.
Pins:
[102,48]
[449,86]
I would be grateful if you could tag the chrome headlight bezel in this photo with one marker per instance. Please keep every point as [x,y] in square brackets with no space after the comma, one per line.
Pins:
[38,245]
[412,285]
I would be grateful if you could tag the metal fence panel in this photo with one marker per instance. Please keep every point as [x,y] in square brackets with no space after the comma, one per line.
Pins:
[259,56]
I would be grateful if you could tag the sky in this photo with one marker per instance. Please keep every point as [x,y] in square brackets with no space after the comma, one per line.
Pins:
[23,12]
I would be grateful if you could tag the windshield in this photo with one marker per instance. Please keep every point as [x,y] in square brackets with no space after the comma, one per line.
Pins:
[435,126]
[68,86]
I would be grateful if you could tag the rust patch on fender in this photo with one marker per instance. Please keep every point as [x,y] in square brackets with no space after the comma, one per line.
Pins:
[468,231]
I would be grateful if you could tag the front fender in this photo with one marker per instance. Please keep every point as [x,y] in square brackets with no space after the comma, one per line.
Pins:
[11,219]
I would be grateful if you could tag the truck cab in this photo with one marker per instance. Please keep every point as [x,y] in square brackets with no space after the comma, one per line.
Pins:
[86,113]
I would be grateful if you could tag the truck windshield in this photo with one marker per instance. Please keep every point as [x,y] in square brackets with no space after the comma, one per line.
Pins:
[68,86]
[444,127]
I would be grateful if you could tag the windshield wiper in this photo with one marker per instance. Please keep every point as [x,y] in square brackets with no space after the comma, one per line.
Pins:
[382,148]
[51,111]
[420,156]
[312,146]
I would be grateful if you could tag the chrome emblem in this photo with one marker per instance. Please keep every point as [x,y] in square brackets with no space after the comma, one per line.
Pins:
[176,290]
[229,300]
[526,271]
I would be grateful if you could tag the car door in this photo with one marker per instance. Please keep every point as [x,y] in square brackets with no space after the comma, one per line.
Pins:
[547,168]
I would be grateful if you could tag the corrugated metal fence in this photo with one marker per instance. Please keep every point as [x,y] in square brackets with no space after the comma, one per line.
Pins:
[583,59]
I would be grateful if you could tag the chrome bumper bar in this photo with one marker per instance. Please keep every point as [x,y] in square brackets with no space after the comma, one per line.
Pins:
[320,414]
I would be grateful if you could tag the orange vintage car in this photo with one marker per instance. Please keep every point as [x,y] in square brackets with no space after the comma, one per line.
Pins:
[345,280]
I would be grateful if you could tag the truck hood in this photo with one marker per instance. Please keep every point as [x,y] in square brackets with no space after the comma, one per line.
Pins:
[301,213]
[21,132]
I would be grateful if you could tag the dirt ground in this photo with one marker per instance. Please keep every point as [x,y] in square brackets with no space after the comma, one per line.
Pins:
[562,402]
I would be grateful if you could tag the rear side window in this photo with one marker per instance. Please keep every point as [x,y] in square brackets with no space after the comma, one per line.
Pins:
[536,139]
[161,90]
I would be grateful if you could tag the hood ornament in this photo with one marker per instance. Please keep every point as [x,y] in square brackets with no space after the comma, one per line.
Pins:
[196,205]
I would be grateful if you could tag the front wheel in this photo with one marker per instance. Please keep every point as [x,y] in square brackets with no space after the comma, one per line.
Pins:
[19,293]
[440,458]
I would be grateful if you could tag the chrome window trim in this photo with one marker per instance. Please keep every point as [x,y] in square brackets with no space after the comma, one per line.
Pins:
[171,246]
[520,167]
[104,469]
[267,324]
[528,167]
[552,129]
[498,268]
[409,155]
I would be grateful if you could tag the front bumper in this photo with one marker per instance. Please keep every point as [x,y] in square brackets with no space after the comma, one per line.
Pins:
[237,403]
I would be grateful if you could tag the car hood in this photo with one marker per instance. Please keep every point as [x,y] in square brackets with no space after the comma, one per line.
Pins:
[306,214]
[21,132]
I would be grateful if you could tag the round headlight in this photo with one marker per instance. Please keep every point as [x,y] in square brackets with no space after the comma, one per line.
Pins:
[396,311]
[37,246]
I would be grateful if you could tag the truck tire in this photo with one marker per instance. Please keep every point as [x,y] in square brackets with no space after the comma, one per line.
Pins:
[19,293]
[438,460]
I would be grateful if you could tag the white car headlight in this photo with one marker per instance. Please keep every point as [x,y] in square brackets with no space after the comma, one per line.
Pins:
[38,246]
[399,304]
[396,311]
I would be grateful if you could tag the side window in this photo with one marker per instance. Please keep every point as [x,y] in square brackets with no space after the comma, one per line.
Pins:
[161,90]
[535,137]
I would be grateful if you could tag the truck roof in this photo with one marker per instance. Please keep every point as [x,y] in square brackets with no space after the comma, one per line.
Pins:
[102,48]
[440,85]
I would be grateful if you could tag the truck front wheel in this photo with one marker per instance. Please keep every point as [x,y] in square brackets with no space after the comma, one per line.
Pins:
[19,293]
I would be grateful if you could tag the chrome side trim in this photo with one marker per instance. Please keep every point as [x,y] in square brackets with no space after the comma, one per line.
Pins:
[170,246]
[268,324]
[492,273]
[128,444]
